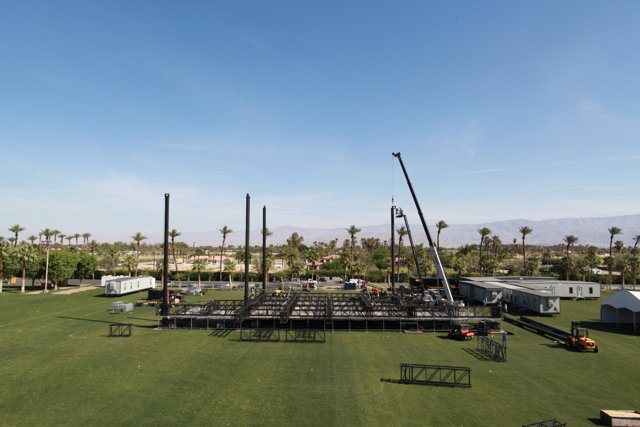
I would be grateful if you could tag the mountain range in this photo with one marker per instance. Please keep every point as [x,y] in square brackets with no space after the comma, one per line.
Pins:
[589,231]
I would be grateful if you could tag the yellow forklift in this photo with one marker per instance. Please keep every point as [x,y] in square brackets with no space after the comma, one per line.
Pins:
[579,339]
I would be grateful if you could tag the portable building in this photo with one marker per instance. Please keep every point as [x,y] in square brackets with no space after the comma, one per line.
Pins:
[561,288]
[487,293]
[105,279]
[531,300]
[622,307]
[127,285]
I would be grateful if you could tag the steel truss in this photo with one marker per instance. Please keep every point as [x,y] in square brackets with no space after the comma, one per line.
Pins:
[451,376]
[492,349]
[322,309]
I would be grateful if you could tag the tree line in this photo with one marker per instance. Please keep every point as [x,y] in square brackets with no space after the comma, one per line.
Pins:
[350,258]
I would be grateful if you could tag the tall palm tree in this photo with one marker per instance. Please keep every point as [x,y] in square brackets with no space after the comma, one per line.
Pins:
[85,238]
[138,238]
[61,236]
[613,231]
[225,231]
[76,236]
[619,245]
[173,234]
[16,229]
[495,244]
[440,225]
[569,240]
[32,239]
[69,239]
[353,231]
[54,234]
[484,232]
[525,231]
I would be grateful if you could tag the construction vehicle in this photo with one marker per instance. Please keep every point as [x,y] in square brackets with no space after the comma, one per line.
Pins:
[461,331]
[434,252]
[579,339]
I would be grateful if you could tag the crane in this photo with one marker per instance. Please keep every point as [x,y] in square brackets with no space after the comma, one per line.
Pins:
[434,251]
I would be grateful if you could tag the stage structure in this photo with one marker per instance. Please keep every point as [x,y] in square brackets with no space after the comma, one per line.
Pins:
[326,311]
[266,312]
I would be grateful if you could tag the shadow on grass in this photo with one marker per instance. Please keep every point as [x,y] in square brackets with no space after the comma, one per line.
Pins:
[221,333]
[623,329]
[109,322]
[475,353]
[597,422]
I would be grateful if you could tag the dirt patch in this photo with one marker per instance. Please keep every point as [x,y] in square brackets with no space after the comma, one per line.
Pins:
[73,290]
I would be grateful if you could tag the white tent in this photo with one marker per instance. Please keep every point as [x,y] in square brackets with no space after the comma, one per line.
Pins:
[622,307]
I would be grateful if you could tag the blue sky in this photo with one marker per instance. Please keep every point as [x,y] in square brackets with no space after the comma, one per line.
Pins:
[502,110]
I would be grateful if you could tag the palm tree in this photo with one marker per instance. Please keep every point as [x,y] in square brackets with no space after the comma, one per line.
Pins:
[173,234]
[569,240]
[525,231]
[440,225]
[76,236]
[353,230]
[636,241]
[495,244]
[61,236]
[69,239]
[85,238]
[225,231]
[32,239]
[613,231]
[199,265]
[130,263]
[54,234]
[25,254]
[137,238]
[16,229]
[484,232]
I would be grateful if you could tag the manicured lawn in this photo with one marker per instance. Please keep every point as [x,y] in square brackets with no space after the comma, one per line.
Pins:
[60,368]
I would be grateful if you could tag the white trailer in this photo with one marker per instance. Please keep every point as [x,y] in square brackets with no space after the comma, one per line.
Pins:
[105,279]
[127,285]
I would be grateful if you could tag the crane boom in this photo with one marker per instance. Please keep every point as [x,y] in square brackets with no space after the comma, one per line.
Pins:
[434,251]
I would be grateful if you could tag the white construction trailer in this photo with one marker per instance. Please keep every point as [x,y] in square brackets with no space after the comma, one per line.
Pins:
[127,285]
[535,301]
[561,288]
[105,279]
[480,291]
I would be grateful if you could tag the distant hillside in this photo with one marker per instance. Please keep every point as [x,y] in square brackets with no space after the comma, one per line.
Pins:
[591,231]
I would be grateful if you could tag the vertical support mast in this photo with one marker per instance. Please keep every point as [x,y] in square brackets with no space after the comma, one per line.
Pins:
[393,249]
[246,253]
[264,249]
[434,251]
[165,260]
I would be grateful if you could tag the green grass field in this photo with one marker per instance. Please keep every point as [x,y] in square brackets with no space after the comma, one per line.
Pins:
[60,368]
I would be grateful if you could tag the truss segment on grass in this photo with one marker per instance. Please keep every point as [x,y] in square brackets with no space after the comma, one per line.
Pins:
[450,376]
[492,349]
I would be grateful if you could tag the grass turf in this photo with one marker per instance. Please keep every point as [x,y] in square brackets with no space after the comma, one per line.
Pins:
[60,368]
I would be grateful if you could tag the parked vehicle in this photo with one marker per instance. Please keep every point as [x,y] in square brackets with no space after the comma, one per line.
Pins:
[461,331]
